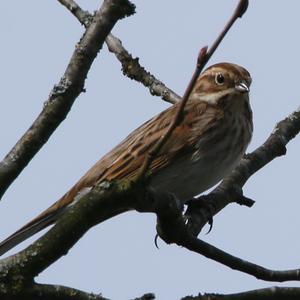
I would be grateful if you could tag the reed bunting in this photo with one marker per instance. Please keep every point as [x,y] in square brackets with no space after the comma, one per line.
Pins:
[203,148]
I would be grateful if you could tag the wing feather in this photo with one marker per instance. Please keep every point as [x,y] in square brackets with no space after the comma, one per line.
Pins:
[126,159]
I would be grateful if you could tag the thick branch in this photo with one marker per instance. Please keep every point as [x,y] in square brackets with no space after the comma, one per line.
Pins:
[272,293]
[103,202]
[64,94]
[52,292]
[130,66]
[56,292]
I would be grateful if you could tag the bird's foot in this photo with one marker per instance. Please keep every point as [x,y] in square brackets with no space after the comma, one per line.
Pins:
[197,210]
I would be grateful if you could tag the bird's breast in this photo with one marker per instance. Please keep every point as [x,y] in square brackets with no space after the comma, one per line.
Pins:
[212,158]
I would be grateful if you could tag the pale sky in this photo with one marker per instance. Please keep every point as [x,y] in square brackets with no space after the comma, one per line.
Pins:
[118,258]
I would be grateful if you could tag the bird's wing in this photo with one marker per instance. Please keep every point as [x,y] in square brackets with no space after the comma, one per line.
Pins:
[126,159]
[134,152]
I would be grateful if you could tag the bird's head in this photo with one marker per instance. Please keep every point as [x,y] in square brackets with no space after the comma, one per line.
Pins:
[221,80]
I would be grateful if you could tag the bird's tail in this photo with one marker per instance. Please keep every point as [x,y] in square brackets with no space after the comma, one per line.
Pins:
[28,230]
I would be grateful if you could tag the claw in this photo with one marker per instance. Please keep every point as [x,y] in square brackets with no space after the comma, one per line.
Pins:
[210,223]
[195,204]
[155,241]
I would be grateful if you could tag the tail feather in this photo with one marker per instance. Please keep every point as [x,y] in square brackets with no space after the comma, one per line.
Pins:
[46,218]
[26,231]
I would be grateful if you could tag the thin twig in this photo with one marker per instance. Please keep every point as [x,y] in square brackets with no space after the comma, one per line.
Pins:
[203,58]
[236,263]
[130,66]
[133,70]
[83,16]
[238,13]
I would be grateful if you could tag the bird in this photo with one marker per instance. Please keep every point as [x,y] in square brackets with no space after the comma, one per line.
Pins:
[204,147]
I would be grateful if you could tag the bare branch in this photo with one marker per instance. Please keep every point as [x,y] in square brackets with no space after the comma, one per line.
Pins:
[238,13]
[130,66]
[272,293]
[172,228]
[239,264]
[148,296]
[83,16]
[132,69]
[64,94]
[103,202]
[57,292]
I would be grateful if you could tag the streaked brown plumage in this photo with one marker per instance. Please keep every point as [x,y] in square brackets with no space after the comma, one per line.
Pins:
[213,136]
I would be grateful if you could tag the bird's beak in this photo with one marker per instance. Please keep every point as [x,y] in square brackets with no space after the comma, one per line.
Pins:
[242,87]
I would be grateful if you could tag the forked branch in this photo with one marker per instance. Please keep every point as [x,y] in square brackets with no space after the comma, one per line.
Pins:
[130,66]
[65,92]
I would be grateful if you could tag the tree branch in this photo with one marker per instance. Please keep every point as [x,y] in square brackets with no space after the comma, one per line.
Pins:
[83,16]
[173,228]
[133,70]
[130,66]
[148,296]
[63,94]
[272,293]
[101,203]
[235,263]
[55,292]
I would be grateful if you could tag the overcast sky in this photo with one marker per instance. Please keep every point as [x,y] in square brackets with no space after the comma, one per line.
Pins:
[118,258]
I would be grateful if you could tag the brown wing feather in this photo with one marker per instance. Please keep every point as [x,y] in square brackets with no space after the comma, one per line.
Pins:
[196,120]
[127,157]
[125,160]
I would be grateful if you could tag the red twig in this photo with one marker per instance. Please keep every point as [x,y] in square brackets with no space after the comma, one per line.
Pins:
[203,58]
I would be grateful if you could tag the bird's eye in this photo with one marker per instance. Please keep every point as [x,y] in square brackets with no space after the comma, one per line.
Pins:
[219,79]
